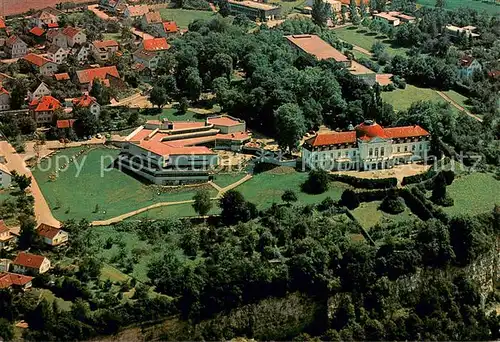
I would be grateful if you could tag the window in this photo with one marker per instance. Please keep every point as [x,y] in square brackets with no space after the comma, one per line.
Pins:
[399,149]
[406,148]
[370,153]
[376,151]
[413,147]
[382,151]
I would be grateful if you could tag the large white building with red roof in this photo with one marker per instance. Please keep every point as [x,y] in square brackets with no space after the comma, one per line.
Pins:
[368,146]
[166,152]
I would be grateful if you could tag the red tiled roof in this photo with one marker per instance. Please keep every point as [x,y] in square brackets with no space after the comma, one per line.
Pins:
[314,45]
[164,149]
[65,124]
[170,27]
[29,260]
[46,103]
[332,138]
[88,75]
[2,24]
[153,17]
[36,59]
[12,40]
[405,132]
[8,279]
[3,227]
[367,131]
[53,25]
[3,90]
[43,229]
[61,77]
[223,121]
[138,10]
[104,44]
[83,101]
[70,31]
[155,44]
[494,73]
[37,31]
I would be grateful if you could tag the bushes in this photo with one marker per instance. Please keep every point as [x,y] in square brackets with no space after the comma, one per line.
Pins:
[349,199]
[415,204]
[365,183]
[317,183]
[392,204]
[419,178]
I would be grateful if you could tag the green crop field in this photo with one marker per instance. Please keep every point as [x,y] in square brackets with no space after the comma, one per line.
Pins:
[266,188]
[401,99]
[488,5]
[82,188]
[474,193]
[184,17]
[368,215]
[362,37]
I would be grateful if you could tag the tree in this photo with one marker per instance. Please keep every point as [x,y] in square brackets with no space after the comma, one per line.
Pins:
[158,96]
[440,3]
[290,124]
[86,123]
[183,105]
[27,233]
[235,208]
[343,14]
[22,181]
[349,199]
[6,330]
[194,83]
[222,66]
[18,94]
[27,125]
[317,182]
[89,268]
[439,195]
[362,8]
[202,202]
[320,12]
[353,12]
[435,147]
[100,92]
[289,196]
[392,204]
[224,8]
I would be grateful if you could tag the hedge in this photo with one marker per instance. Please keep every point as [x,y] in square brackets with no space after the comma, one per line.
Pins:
[415,204]
[365,183]
[370,196]
[431,173]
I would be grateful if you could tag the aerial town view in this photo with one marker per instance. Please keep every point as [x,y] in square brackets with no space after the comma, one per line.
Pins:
[306,170]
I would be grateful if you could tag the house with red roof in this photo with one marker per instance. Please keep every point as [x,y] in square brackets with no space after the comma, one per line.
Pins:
[153,21]
[27,263]
[104,49]
[46,17]
[107,75]
[468,65]
[367,146]
[74,36]
[53,236]
[64,76]
[4,99]
[41,65]
[135,11]
[169,28]
[5,235]
[37,31]
[65,124]
[15,281]
[87,101]
[151,52]
[44,109]
[15,47]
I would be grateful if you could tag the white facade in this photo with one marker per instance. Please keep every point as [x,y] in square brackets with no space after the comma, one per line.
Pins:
[5,177]
[41,91]
[44,267]
[58,55]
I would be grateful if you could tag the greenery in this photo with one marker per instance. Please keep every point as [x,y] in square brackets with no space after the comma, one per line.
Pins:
[184,17]
[488,6]
[362,38]
[402,99]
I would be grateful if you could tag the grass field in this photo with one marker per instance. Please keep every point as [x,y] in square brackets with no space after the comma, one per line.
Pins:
[171,114]
[288,6]
[368,215]
[112,36]
[401,99]
[488,6]
[50,297]
[113,192]
[458,98]
[266,188]
[365,39]
[184,17]
[113,274]
[225,179]
[473,194]
[173,211]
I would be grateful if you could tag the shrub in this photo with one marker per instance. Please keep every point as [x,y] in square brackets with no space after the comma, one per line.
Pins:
[326,204]
[366,183]
[349,199]
[392,204]
[316,183]
[415,204]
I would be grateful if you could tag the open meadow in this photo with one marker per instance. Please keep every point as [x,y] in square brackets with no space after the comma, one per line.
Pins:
[401,99]
[490,6]
[184,17]
[368,215]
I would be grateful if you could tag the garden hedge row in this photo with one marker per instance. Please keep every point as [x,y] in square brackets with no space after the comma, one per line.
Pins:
[365,183]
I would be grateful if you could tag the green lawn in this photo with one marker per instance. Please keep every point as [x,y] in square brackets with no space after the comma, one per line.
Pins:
[173,211]
[112,191]
[172,115]
[488,6]
[226,179]
[113,274]
[50,297]
[266,188]
[362,37]
[473,194]
[401,99]
[184,17]
[112,36]
[458,98]
[288,6]
[368,215]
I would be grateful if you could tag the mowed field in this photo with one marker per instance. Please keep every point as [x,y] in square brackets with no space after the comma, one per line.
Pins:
[488,5]
[401,99]
[184,17]
[368,215]
[362,37]
[473,193]
[82,187]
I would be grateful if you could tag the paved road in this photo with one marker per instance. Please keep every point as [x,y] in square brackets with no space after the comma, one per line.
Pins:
[15,162]
[459,107]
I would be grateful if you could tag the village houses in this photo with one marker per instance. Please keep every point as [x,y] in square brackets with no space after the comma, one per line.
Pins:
[43,110]
[106,75]
[4,99]
[27,263]
[57,54]
[46,17]
[104,49]
[15,47]
[5,235]
[15,281]
[467,65]
[56,37]
[87,101]
[38,90]
[150,52]
[74,36]
[52,236]
[135,11]
[83,53]
[41,65]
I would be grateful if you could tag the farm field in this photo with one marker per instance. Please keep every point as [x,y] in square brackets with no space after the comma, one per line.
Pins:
[488,6]
[184,17]
[171,114]
[474,193]
[368,215]
[362,37]
[401,99]
[77,194]
[266,188]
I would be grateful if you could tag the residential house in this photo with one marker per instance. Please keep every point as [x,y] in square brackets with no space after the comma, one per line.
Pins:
[57,54]
[15,47]
[467,66]
[40,64]
[83,53]
[394,18]
[38,90]
[468,31]
[46,17]
[107,75]
[5,236]
[27,263]
[257,11]
[151,52]
[61,77]
[5,265]
[43,110]
[153,21]
[404,18]
[135,11]
[74,36]
[57,37]
[65,125]
[37,31]
[5,176]
[104,49]
[114,6]
[87,101]
[169,28]
[15,281]
[4,99]
[52,236]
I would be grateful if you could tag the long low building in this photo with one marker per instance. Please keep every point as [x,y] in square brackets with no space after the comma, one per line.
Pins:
[317,47]
[368,146]
[167,153]
[254,10]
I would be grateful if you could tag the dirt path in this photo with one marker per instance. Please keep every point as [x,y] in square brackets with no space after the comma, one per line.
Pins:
[363,51]
[15,162]
[234,185]
[457,106]
[136,101]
